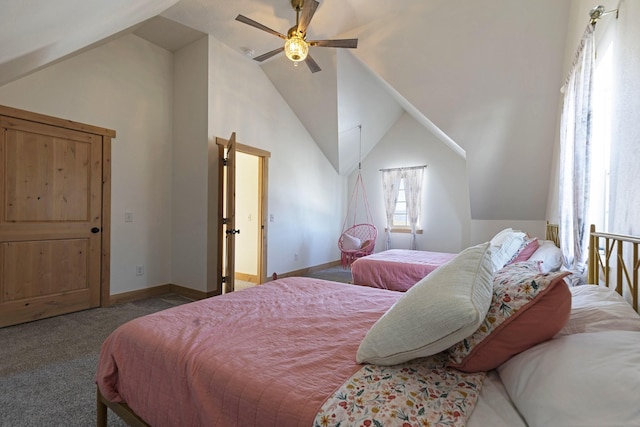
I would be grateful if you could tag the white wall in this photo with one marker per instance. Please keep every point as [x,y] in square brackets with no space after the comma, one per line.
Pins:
[488,76]
[247,214]
[124,85]
[161,174]
[445,203]
[189,184]
[306,194]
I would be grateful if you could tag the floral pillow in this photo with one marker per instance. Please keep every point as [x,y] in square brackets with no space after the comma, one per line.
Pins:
[527,307]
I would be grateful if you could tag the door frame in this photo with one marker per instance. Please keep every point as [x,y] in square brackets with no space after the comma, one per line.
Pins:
[263,185]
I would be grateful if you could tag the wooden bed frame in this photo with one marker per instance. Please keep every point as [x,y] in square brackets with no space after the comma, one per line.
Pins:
[601,247]
[625,264]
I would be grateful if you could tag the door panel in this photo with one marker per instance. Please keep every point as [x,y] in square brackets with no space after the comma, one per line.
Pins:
[50,220]
[230,216]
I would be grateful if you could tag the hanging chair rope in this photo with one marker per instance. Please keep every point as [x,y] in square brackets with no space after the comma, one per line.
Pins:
[354,203]
[357,240]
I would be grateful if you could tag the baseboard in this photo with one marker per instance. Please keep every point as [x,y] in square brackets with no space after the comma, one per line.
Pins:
[157,291]
[245,277]
[194,294]
[305,271]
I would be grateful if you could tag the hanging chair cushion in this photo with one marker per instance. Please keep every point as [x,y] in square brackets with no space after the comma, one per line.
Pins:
[360,237]
[350,243]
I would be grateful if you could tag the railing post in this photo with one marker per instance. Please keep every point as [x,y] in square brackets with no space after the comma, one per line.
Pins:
[592,273]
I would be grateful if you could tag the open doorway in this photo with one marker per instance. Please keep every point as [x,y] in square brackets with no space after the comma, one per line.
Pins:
[249,211]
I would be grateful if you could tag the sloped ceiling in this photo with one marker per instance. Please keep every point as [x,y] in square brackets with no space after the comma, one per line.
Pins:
[485,74]
[36,33]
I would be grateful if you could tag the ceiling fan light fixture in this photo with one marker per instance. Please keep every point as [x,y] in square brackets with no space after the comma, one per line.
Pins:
[296,48]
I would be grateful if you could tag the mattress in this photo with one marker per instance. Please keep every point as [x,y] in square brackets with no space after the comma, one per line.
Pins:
[396,269]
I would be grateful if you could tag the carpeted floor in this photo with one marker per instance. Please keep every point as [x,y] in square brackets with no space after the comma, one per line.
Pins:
[47,367]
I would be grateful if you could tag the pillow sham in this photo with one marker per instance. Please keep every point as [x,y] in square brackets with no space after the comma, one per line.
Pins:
[549,254]
[585,380]
[597,308]
[528,247]
[350,242]
[504,246]
[438,311]
[527,308]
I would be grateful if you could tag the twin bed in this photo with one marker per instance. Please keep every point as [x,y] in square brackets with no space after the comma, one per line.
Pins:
[284,353]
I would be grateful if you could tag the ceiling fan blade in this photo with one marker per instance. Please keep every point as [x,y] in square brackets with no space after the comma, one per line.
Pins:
[259,26]
[268,54]
[313,65]
[308,10]
[349,43]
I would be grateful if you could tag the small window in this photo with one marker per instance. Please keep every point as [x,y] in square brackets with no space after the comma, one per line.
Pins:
[400,216]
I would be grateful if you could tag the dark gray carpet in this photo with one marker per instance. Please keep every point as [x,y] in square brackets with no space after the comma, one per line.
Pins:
[336,274]
[47,367]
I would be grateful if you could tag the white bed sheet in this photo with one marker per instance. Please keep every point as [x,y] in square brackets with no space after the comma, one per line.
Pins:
[494,407]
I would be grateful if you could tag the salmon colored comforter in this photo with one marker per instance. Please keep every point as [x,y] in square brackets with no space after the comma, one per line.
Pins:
[266,356]
[396,269]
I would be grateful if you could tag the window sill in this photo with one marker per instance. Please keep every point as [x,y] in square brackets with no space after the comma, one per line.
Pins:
[403,230]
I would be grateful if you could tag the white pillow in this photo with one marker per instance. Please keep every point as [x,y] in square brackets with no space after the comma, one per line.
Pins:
[350,242]
[597,308]
[504,246]
[582,380]
[443,308]
[549,254]
[501,236]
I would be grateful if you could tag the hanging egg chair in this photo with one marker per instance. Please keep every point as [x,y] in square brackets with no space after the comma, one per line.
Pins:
[357,239]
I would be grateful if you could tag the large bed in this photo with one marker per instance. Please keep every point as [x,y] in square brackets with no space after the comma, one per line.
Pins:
[400,269]
[307,352]
[396,269]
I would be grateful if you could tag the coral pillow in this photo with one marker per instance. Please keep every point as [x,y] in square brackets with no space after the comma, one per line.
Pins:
[527,308]
[437,312]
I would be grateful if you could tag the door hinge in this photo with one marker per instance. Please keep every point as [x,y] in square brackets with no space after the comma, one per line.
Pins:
[225,161]
[224,279]
[225,220]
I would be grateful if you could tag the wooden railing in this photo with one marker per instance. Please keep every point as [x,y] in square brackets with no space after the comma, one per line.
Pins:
[625,263]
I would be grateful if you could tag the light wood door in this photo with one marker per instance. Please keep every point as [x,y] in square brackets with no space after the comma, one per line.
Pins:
[230,216]
[50,220]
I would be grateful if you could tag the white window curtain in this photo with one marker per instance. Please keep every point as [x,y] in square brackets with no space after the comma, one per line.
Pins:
[390,187]
[575,146]
[413,190]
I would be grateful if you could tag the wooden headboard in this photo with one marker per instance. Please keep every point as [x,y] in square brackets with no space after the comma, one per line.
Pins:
[552,233]
[620,272]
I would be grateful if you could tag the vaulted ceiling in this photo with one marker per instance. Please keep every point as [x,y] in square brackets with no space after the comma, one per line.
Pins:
[483,76]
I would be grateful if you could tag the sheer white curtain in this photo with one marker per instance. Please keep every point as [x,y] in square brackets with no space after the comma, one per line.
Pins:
[413,190]
[390,187]
[575,148]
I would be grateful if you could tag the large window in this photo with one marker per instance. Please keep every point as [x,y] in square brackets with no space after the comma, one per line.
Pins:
[602,101]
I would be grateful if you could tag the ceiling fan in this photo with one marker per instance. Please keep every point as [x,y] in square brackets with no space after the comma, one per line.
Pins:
[296,46]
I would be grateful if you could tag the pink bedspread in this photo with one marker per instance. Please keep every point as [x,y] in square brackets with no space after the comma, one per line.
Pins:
[266,356]
[396,269]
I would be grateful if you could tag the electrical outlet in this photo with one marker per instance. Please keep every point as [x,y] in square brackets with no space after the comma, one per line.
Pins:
[295,257]
[139,270]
